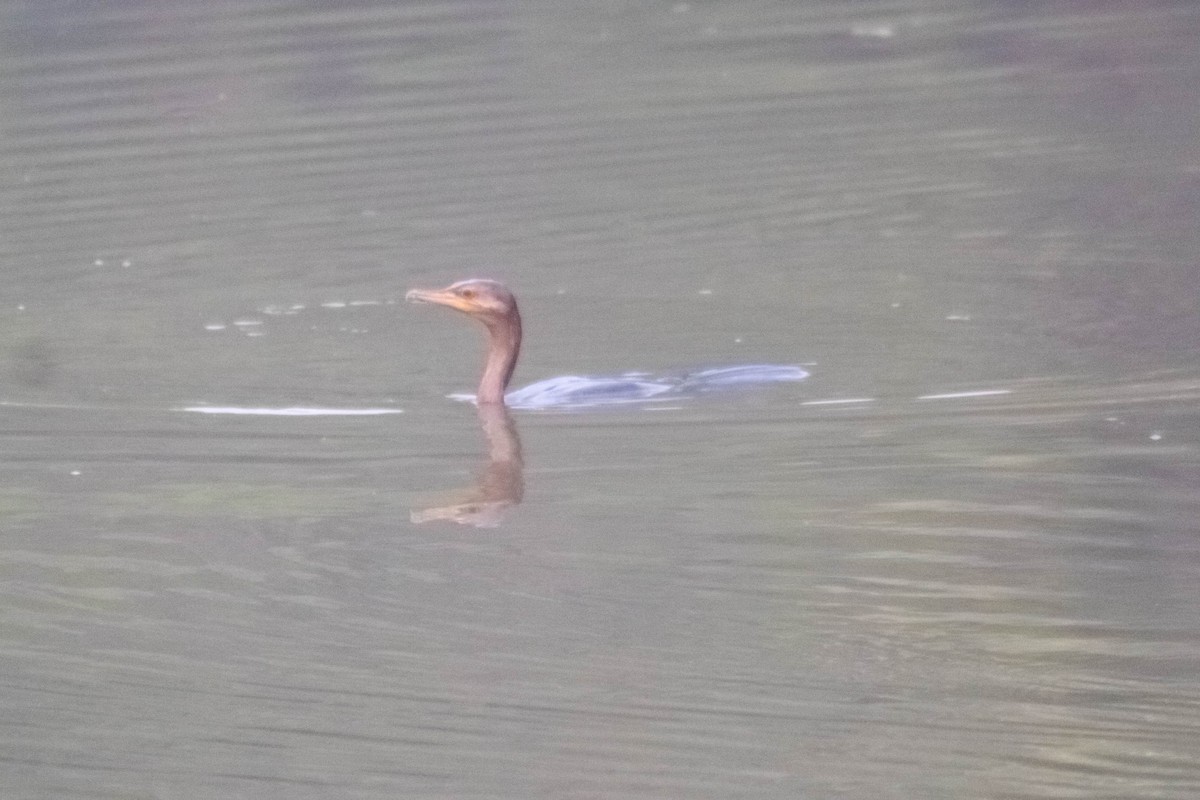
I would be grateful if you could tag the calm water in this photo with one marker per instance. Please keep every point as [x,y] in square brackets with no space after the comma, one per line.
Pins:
[753,595]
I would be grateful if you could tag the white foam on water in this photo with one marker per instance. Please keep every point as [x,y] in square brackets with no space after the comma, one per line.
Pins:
[847,401]
[290,411]
[956,395]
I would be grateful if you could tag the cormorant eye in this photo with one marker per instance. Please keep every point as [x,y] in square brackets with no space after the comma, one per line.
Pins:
[466,294]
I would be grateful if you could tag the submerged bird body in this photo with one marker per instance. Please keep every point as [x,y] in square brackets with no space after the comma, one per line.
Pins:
[492,304]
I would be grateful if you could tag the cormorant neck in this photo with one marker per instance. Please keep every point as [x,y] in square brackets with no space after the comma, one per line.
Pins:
[504,345]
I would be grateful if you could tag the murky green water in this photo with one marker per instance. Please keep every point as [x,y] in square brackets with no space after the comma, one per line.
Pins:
[762,594]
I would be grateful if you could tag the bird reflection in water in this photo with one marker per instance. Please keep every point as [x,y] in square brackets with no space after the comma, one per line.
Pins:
[493,305]
[499,487]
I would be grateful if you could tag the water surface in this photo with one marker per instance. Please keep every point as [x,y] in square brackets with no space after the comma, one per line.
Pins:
[988,592]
